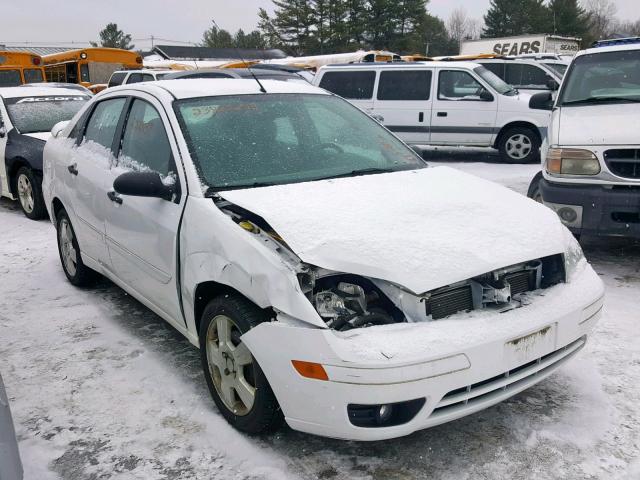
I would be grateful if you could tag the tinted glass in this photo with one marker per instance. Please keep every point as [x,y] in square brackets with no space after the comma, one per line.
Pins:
[559,68]
[612,77]
[10,78]
[104,121]
[494,81]
[147,77]
[134,78]
[404,85]
[458,85]
[496,68]
[353,85]
[117,79]
[145,145]
[32,75]
[526,76]
[40,114]
[244,140]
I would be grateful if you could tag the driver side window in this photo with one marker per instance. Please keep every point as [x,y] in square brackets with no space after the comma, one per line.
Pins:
[456,85]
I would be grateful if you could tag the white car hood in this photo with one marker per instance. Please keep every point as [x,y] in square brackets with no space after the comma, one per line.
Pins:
[41,135]
[599,125]
[420,229]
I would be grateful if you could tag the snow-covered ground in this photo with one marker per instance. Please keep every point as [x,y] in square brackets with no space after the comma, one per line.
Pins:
[102,388]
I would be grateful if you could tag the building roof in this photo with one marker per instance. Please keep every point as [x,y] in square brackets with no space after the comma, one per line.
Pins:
[38,50]
[177,52]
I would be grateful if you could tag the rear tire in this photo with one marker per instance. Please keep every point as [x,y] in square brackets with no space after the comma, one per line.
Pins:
[76,271]
[235,380]
[28,189]
[519,145]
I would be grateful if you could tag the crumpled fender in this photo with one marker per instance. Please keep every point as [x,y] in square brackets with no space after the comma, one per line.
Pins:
[214,248]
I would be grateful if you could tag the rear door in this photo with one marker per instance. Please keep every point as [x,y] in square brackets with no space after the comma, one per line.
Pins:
[4,129]
[85,170]
[356,86]
[141,232]
[403,103]
[464,110]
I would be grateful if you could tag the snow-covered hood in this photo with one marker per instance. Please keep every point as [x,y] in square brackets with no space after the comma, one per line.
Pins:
[40,135]
[420,229]
[599,125]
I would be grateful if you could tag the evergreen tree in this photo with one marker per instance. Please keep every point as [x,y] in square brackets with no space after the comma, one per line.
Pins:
[516,17]
[568,18]
[431,38]
[112,37]
[217,38]
[294,22]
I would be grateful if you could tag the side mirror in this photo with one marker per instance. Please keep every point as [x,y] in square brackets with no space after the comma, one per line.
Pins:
[58,127]
[485,95]
[143,184]
[541,101]
[552,85]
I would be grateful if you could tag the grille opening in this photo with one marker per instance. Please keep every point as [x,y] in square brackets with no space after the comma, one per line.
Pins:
[446,303]
[625,217]
[574,347]
[624,162]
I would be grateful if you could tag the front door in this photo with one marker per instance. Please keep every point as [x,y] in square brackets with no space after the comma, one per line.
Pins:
[464,111]
[403,103]
[85,173]
[141,231]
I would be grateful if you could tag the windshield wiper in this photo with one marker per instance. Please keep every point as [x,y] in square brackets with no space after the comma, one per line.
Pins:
[219,188]
[594,100]
[362,171]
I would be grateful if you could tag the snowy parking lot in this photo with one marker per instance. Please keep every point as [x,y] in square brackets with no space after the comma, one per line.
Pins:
[101,388]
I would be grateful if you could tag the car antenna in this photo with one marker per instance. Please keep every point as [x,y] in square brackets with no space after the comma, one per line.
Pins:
[262,89]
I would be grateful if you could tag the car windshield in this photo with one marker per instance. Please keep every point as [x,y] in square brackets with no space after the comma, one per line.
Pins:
[559,68]
[495,81]
[40,114]
[607,77]
[255,140]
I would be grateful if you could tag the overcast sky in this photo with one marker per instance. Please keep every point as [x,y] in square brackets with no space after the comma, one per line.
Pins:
[45,22]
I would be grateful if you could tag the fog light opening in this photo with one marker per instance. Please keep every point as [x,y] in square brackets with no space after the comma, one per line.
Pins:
[383,414]
[568,214]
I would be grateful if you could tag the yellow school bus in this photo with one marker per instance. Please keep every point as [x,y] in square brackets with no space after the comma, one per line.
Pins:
[17,68]
[89,66]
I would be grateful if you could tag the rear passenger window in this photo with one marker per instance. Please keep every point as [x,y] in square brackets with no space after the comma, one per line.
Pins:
[353,85]
[526,76]
[145,145]
[497,68]
[104,121]
[404,85]
[117,79]
[134,78]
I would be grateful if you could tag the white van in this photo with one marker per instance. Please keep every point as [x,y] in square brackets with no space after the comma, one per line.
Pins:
[527,75]
[125,77]
[591,159]
[442,103]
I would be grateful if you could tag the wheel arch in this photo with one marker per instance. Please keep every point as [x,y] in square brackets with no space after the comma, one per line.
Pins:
[56,206]
[13,166]
[518,123]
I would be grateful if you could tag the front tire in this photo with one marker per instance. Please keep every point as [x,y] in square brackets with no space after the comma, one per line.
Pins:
[235,380]
[76,271]
[519,145]
[29,191]
[534,188]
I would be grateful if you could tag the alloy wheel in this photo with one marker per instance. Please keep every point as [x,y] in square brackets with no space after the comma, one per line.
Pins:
[25,193]
[69,254]
[518,146]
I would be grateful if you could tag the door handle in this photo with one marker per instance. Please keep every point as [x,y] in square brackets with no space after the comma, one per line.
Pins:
[421,117]
[73,169]
[442,114]
[114,197]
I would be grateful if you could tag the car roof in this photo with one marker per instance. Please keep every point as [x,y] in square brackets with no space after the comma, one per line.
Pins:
[212,87]
[18,92]
[399,65]
[611,48]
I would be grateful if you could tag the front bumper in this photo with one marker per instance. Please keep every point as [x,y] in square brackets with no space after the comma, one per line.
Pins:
[606,209]
[458,365]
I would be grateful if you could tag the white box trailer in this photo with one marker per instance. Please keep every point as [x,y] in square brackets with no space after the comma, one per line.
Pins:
[521,45]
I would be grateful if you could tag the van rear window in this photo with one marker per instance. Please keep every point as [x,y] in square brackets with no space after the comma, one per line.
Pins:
[356,85]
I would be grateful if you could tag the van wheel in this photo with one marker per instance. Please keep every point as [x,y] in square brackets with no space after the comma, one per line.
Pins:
[29,191]
[519,145]
[76,271]
[235,380]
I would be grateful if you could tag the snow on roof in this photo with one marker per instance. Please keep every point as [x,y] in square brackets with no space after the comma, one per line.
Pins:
[404,65]
[17,92]
[202,87]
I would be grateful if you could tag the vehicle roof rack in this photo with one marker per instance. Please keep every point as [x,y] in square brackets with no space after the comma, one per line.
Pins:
[615,41]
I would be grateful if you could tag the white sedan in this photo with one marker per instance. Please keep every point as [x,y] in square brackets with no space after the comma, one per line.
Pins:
[329,277]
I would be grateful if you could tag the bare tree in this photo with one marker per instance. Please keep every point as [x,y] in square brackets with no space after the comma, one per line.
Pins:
[630,28]
[474,29]
[457,24]
[603,17]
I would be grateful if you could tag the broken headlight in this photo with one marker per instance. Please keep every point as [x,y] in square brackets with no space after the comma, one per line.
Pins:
[348,301]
